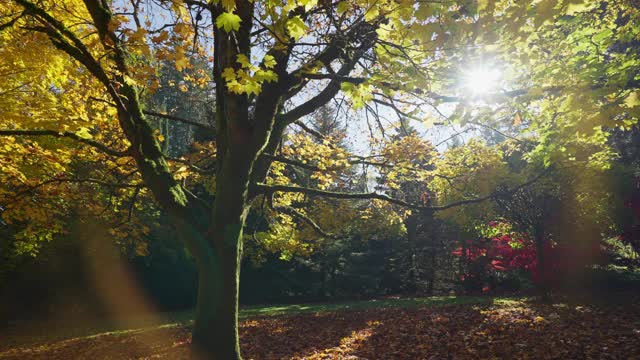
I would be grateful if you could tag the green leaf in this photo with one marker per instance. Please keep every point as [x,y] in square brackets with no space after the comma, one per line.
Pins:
[228,22]
[308,4]
[372,13]
[346,86]
[296,27]
[576,7]
[342,7]
[228,4]
[424,11]
[269,61]
[602,35]
[535,92]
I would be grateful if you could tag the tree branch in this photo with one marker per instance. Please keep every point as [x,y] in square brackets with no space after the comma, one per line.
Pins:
[179,119]
[74,180]
[100,146]
[266,189]
[163,115]
[309,130]
[295,213]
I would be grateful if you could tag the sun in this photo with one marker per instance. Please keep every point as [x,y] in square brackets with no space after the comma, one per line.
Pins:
[481,81]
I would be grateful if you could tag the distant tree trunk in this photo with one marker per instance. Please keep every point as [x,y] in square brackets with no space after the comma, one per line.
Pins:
[323,282]
[411,223]
[333,283]
[462,262]
[431,274]
[543,287]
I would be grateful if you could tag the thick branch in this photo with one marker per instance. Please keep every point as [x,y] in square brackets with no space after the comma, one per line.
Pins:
[366,35]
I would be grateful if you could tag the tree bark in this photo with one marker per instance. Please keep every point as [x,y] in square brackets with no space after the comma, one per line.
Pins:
[215,333]
[215,330]
[217,249]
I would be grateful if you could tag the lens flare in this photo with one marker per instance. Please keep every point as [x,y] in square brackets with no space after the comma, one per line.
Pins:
[481,81]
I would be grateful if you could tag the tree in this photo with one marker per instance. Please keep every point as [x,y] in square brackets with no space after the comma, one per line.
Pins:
[273,64]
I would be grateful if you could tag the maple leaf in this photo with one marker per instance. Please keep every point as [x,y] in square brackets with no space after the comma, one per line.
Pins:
[269,61]
[296,28]
[181,63]
[228,22]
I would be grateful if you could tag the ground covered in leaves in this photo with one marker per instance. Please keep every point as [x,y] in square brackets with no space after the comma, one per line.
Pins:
[505,330]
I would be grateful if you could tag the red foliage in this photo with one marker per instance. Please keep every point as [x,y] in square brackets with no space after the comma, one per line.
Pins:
[507,253]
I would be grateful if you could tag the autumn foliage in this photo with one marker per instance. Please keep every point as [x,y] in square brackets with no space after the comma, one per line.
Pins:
[484,259]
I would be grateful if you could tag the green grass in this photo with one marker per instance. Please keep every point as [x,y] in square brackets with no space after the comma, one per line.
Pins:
[274,310]
[34,333]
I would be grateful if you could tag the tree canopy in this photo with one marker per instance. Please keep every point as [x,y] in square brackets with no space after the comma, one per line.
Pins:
[90,90]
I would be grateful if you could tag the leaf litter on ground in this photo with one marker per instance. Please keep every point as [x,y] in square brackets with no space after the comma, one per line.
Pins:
[504,330]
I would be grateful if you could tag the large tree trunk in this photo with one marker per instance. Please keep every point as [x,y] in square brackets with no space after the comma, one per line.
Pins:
[215,330]
[217,249]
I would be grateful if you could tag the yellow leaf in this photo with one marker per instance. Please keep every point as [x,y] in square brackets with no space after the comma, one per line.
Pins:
[130,81]
[181,63]
[84,133]
[228,74]
[243,60]
[163,36]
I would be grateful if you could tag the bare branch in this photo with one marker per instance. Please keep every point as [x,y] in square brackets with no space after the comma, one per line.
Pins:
[309,130]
